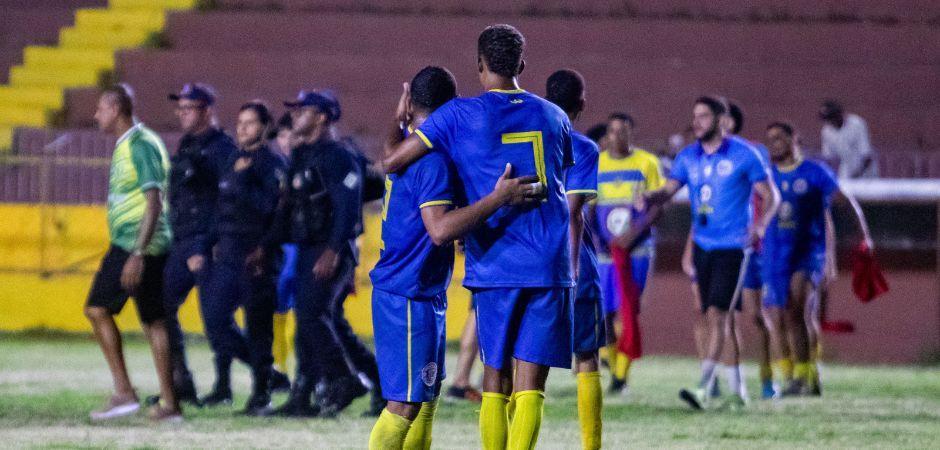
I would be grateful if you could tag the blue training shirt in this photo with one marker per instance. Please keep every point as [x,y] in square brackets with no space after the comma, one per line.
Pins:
[517,246]
[582,179]
[409,263]
[799,228]
[720,191]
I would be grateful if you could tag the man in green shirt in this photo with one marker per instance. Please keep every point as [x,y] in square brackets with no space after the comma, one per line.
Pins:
[133,266]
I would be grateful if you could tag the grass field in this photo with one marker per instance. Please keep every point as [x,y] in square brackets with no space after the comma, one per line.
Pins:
[49,383]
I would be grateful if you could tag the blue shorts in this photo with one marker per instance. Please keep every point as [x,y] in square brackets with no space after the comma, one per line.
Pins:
[410,341]
[287,280]
[777,280]
[529,324]
[752,274]
[588,327]
[610,284]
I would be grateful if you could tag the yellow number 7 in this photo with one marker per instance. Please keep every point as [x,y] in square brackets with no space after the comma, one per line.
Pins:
[534,138]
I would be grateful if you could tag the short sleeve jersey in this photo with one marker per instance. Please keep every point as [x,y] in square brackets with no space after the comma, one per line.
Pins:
[410,264]
[799,228]
[140,163]
[581,179]
[620,181]
[720,191]
[517,246]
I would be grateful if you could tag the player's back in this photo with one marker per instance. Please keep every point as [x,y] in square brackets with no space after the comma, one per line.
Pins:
[518,246]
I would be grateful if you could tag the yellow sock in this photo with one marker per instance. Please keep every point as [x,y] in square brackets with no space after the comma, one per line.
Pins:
[590,402]
[801,371]
[622,368]
[494,421]
[611,355]
[524,429]
[280,347]
[784,369]
[389,432]
[766,372]
[419,435]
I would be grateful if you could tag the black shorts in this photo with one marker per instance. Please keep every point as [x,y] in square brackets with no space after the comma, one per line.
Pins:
[106,291]
[718,273]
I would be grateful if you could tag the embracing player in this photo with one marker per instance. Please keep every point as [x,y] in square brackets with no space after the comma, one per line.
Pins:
[518,265]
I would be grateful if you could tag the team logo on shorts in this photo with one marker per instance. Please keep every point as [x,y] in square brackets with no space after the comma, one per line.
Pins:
[724,167]
[618,221]
[429,374]
[800,186]
[706,193]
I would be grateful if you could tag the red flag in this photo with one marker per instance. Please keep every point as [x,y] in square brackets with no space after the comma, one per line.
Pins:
[868,282]
[630,342]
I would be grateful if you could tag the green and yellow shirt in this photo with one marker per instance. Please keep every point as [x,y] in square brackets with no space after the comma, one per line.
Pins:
[140,163]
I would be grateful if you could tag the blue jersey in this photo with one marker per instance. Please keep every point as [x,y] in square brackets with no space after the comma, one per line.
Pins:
[582,179]
[410,265]
[517,246]
[720,191]
[799,229]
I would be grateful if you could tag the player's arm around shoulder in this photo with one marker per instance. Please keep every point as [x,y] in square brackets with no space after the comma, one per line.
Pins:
[445,224]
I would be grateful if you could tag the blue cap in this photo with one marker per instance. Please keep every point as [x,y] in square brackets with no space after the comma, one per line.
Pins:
[195,91]
[324,100]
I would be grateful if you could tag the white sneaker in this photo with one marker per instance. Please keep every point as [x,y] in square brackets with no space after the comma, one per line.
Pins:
[115,408]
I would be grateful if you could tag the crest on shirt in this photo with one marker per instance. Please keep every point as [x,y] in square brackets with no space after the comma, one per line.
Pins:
[705,193]
[786,211]
[618,221]
[785,186]
[724,167]
[800,186]
[429,374]
[707,170]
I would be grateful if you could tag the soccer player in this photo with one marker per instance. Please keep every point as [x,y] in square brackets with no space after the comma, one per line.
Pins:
[721,174]
[565,88]
[133,267]
[518,265]
[752,291]
[796,242]
[624,174]
[419,224]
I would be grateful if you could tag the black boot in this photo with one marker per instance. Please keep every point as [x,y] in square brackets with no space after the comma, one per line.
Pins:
[298,403]
[184,387]
[340,393]
[222,391]
[259,403]
[279,382]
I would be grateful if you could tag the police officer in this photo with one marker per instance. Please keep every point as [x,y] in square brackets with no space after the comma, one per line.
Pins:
[320,213]
[242,272]
[194,177]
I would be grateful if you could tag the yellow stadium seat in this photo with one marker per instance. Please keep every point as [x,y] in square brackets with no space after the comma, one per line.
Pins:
[55,58]
[152,4]
[98,18]
[61,78]
[22,116]
[48,97]
[90,38]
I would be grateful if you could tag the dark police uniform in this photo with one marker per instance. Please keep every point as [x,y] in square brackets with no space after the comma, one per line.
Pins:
[322,209]
[248,200]
[194,178]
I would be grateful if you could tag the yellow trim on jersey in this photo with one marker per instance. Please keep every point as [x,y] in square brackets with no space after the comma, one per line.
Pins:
[791,167]
[582,191]
[624,191]
[508,91]
[408,394]
[435,203]
[424,138]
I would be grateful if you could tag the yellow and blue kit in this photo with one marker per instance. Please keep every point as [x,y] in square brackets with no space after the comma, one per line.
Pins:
[518,264]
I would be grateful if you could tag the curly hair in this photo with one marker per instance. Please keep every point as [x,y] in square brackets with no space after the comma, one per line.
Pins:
[501,47]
